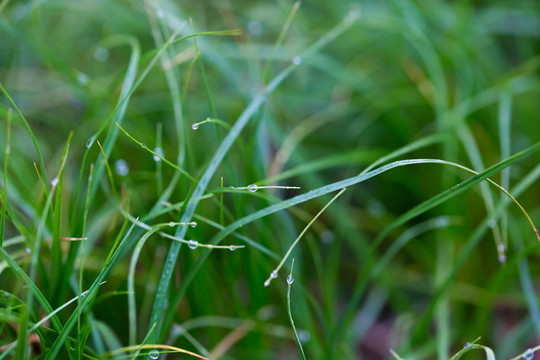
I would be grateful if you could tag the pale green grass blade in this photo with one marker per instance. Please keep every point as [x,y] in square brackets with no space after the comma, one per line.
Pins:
[4,190]
[279,40]
[30,132]
[290,280]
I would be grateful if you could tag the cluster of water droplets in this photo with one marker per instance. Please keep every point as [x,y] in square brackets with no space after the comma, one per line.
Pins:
[502,256]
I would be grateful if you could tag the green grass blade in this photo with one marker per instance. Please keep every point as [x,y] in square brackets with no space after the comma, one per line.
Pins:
[4,190]
[290,281]
[30,132]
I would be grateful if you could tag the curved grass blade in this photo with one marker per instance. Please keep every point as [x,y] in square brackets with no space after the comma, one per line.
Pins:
[290,281]
[288,253]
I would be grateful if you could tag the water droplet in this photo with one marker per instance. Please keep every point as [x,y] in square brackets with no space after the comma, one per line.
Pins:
[54,182]
[297,60]
[290,279]
[193,224]
[267,282]
[154,354]
[82,79]
[28,251]
[492,223]
[172,224]
[195,126]
[528,355]
[273,275]
[101,54]
[304,336]
[254,28]
[502,258]
[467,345]
[500,248]
[327,237]
[192,244]
[442,222]
[232,247]
[252,188]
[121,167]
[158,151]
[143,145]
[90,142]
[6,294]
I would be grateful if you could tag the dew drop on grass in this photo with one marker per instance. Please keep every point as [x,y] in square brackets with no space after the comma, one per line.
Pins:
[82,79]
[304,336]
[192,244]
[195,126]
[54,182]
[467,345]
[528,355]
[327,237]
[502,258]
[90,142]
[252,188]
[297,60]
[28,251]
[267,282]
[154,354]
[273,274]
[172,224]
[290,279]
[193,224]
[101,54]
[232,247]
[121,167]
[492,223]
[254,28]
[143,145]
[158,151]
[442,222]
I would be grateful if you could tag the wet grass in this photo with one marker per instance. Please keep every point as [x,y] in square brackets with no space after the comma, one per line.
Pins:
[163,163]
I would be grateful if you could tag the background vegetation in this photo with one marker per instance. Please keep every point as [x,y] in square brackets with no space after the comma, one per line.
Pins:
[306,95]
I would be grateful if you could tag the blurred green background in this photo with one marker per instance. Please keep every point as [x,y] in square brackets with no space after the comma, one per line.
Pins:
[459,77]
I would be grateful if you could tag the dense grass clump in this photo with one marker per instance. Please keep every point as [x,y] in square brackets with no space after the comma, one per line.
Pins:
[164,164]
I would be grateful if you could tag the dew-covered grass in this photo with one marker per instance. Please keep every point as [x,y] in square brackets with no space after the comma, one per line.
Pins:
[163,165]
